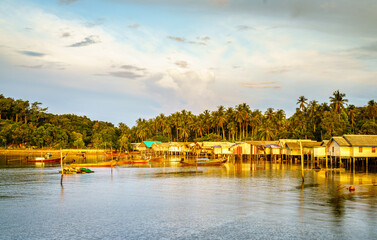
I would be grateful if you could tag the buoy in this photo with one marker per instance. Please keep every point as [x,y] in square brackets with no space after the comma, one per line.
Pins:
[351,188]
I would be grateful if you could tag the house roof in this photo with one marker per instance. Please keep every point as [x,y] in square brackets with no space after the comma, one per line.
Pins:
[149,143]
[305,144]
[256,143]
[340,141]
[361,140]
[292,145]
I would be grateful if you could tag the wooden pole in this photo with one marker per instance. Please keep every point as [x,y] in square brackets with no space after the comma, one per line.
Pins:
[302,163]
[61,166]
[61,161]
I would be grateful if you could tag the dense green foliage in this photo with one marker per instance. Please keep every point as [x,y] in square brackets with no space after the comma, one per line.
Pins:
[28,124]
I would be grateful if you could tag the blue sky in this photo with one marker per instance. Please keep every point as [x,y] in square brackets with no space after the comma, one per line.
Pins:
[118,60]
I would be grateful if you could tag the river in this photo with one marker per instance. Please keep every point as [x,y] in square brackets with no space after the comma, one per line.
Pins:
[164,201]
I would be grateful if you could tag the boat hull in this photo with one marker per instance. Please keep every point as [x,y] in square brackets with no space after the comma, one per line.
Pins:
[203,164]
[95,165]
[54,160]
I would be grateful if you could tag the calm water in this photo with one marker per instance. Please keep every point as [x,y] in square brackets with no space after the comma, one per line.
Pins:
[165,201]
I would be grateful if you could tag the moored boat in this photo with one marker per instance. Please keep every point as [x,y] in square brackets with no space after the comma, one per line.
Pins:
[95,165]
[136,161]
[77,170]
[203,162]
[46,159]
[156,159]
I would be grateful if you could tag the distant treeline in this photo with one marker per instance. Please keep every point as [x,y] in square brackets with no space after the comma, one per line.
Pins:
[29,125]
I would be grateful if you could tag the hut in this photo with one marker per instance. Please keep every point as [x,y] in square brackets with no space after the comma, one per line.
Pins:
[319,152]
[353,148]
[146,146]
[222,148]
[160,148]
[175,148]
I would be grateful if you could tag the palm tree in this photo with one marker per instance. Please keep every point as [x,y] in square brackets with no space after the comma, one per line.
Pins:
[266,132]
[302,102]
[221,119]
[352,116]
[338,101]
[372,109]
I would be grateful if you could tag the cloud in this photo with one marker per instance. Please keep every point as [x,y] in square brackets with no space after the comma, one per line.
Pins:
[244,28]
[328,5]
[205,38]
[191,87]
[66,34]
[131,67]
[197,43]
[181,39]
[267,84]
[87,41]
[66,2]
[126,74]
[134,26]
[32,54]
[33,66]
[97,22]
[178,39]
[279,70]
[182,64]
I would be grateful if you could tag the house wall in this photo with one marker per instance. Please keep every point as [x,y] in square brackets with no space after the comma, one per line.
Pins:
[319,152]
[175,149]
[366,152]
[345,151]
[275,151]
[334,149]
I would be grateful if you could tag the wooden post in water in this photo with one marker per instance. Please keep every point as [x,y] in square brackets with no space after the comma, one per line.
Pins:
[302,163]
[61,166]
[366,165]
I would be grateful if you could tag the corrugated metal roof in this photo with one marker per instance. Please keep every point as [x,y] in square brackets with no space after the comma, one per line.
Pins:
[361,140]
[340,141]
[149,143]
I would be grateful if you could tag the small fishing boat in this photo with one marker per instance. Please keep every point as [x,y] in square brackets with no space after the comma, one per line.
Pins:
[77,170]
[156,159]
[116,154]
[203,162]
[46,159]
[95,165]
[136,161]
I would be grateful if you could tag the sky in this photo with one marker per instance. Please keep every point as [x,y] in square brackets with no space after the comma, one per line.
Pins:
[120,60]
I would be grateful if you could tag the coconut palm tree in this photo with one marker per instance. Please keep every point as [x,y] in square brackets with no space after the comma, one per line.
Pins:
[302,102]
[338,101]
[221,119]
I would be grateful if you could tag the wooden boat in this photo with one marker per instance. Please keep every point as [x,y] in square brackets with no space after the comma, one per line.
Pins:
[116,154]
[46,159]
[95,165]
[136,161]
[156,159]
[78,170]
[203,163]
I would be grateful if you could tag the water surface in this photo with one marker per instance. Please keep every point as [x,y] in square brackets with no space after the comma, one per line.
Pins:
[165,201]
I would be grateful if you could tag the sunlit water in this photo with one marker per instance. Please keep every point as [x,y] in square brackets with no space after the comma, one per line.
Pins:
[165,201]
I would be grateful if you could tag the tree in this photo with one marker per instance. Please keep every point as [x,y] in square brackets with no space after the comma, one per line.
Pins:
[338,101]
[302,102]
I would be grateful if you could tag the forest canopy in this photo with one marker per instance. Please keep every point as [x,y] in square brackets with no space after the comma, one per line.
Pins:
[25,124]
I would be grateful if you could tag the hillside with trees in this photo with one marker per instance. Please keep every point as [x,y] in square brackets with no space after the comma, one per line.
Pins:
[25,124]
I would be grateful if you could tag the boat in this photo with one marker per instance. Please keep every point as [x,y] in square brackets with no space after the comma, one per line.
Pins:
[136,161]
[116,154]
[46,159]
[201,162]
[77,170]
[95,165]
[156,159]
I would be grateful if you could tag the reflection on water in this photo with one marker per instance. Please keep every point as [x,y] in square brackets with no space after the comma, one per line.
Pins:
[259,200]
